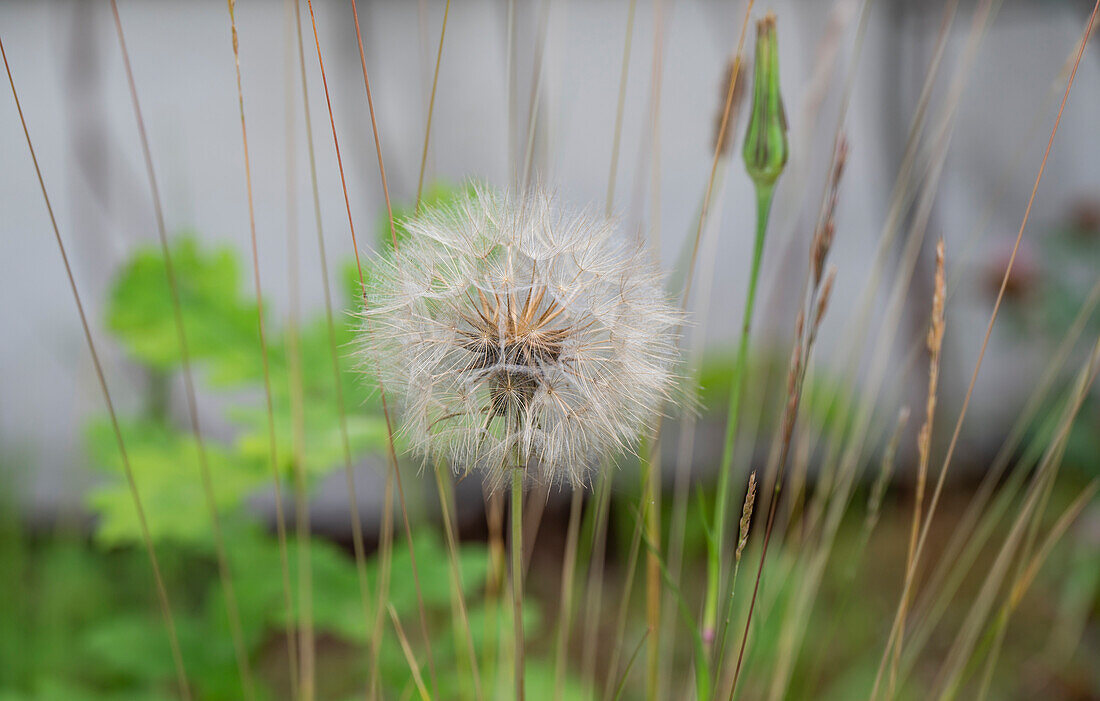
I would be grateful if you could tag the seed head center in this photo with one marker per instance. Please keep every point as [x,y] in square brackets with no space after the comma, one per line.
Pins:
[512,344]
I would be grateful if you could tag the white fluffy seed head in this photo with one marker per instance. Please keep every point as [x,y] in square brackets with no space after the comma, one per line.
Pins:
[519,334]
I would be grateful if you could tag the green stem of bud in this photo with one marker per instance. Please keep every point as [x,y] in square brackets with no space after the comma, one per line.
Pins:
[714,560]
[765,154]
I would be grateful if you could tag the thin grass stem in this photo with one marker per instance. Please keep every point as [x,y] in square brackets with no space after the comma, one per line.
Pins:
[989,332]
[147,541]
[596,563]
[617,132]
[446,504]
[307,647]
[431,109]
[341,408]
[629,664]
[410,658]
[924,442]
[622,617]
[536,96]
[395,469]
[1022,582]
[223,563]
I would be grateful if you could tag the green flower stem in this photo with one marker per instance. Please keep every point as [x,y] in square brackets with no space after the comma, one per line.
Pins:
[460,618]
[651,486]
[568,581]
[517,577]
[714,556]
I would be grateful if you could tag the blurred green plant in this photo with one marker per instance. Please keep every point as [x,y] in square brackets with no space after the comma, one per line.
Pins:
[224,347]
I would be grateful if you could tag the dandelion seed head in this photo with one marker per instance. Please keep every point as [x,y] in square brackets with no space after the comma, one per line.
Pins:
[518,333]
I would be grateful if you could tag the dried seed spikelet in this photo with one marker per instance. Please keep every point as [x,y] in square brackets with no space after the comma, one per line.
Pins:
[520,334]
[826,230]
[823,299]
[746,516]
[935,345]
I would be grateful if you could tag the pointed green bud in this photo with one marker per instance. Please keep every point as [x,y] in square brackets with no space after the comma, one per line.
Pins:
[765,149]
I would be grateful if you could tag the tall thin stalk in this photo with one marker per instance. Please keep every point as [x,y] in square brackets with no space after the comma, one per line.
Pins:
[985,342]
[330,324]
[568,581]
[393,476]
[431,105]
[651,460]
[817,291]
[146,538]
[517,578]
[714,554]
[924,443]
[446,504]
[765,154]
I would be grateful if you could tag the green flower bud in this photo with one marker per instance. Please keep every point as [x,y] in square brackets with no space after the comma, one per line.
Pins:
[765,149]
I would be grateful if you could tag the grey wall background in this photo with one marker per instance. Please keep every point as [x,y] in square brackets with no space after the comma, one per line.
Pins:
[67,65]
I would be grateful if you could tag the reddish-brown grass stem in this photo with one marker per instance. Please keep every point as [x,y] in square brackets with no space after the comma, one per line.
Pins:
[374,123]
[162,592]
[382,390]
[719,148]
[341,410]
[431,108]
[934,501]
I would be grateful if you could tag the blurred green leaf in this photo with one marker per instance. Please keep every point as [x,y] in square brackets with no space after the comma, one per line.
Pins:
[165,463]
[220,323]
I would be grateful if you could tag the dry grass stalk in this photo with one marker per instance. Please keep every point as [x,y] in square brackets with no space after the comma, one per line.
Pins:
[1027,576]
[158,579]
[846,444]
[826,230]
[840,469]
[746,517]
[874,510]
[992,320]
[817,301]
[458,599]
[978,523]
[617,135]
[924,444]
[393,475]
[961,651]
[727,109]
[567,590]
[341,410]
[431,106]
[410,658]
[1026,571]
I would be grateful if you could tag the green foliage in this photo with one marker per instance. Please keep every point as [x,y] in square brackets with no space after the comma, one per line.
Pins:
[165,463]
[92,630]
[223,343]
[221,324]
